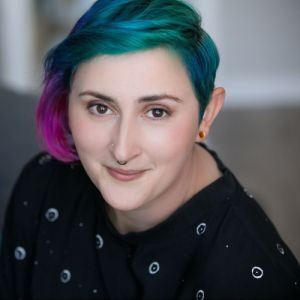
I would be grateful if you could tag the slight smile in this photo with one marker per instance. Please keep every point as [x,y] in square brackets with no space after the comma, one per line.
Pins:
[125,175]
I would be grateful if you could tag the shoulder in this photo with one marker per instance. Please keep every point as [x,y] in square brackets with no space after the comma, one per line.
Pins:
[35,176]
[257,227]
[43,164]
[246,257]
[27,208]
[41,169]
[35,171]
[43,181]
[262,259]
[39,176]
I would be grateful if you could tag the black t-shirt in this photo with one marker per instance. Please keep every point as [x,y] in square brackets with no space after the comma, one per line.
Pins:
[58,243]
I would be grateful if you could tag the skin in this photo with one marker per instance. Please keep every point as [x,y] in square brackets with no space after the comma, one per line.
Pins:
[158,137]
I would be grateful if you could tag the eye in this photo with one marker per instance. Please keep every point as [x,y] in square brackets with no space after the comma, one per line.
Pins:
[157,113]
[99,109]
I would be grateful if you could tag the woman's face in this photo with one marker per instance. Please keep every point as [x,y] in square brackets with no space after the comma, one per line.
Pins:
[119,109]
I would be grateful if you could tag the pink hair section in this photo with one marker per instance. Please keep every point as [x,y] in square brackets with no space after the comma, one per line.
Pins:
[52,120]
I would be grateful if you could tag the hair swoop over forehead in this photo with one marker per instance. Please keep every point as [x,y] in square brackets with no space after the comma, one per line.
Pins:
[113,27]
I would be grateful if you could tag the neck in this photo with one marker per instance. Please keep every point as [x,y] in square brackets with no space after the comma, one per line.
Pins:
[200,171]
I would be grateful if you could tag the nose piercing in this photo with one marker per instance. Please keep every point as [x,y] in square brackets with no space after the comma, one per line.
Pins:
[122,163]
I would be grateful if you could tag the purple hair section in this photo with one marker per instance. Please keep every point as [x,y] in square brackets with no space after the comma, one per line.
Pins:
[52,120]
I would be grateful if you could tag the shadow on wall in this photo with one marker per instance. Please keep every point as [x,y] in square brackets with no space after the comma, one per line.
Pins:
[260,145]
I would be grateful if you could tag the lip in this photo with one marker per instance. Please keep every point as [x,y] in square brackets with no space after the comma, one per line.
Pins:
[125,175]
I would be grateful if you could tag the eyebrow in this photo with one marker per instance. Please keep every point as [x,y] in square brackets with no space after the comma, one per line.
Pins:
[149,98]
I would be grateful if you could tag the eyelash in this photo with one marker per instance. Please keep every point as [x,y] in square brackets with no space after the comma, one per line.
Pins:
[92,107]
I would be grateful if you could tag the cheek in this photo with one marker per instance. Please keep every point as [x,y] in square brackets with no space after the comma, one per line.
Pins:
[86,134]
[174,141]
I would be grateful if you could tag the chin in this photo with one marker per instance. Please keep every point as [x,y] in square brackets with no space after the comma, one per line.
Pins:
[122,203]
[123,197]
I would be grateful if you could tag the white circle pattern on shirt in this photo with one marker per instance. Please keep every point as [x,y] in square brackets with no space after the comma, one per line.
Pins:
[248,194]
[65,276]
[257,272]
[52,214]
[200,295]
[280,249]
[154,267]
[99,241]
[20,253]
[44,159]
[201,228]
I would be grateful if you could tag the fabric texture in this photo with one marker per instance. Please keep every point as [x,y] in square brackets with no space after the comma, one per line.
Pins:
[58,243]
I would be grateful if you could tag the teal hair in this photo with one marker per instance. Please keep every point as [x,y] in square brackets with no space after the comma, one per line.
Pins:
[112,27]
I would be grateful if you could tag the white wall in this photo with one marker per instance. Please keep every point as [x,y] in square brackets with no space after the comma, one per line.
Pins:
[17,38]
[259,43]
[20,70]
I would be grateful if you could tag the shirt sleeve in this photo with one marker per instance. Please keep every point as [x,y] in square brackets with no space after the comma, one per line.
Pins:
[267,268]
[20,228]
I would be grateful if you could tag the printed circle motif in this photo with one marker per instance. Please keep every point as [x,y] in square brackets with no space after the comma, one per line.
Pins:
[200,295]
[52,214]
[154,267]
[280,249]
[248,194]
[20,253]
[257,272]
[99,241]
[201,228]
[65,276]
[44,159]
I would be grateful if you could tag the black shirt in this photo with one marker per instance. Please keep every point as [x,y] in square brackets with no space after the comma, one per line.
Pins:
[59,244]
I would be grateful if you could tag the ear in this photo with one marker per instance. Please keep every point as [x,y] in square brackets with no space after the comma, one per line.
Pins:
[213,108]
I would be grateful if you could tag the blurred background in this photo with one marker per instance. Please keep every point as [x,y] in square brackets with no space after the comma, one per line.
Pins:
[256,134]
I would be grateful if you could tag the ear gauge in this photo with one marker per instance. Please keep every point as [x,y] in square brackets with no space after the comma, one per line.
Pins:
[202,135]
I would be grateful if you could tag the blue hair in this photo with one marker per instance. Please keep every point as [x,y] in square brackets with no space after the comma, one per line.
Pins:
[112,27]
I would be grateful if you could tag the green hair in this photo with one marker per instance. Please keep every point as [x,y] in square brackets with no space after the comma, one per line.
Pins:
[112,27]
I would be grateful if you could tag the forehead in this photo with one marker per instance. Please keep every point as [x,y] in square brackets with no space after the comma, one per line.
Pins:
[155,70]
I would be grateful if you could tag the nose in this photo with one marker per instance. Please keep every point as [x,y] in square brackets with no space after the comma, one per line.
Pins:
[125,142]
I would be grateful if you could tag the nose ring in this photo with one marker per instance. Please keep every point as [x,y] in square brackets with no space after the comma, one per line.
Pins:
[122,163]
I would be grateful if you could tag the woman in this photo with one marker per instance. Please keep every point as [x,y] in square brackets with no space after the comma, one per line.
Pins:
[129,203]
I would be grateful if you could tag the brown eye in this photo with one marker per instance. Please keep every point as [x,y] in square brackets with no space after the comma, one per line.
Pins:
[157,113]
[99,109]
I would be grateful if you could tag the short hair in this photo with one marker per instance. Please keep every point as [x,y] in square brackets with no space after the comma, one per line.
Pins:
[112,27]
